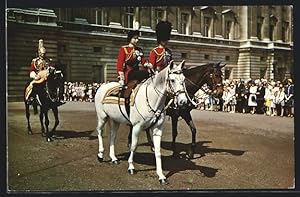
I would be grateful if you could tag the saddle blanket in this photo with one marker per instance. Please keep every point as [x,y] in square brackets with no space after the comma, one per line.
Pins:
[111,96]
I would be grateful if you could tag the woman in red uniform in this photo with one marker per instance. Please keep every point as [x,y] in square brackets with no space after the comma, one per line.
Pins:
[129,59]
[161,56]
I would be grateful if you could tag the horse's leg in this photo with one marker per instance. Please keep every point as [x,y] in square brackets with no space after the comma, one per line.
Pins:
[157,133]
[114,127]
[28,118]
[149,139]
[129,137]
[48,134]
[55,112]
[99,128]
[174,119]
[188,119]
[134,139]
[42,122]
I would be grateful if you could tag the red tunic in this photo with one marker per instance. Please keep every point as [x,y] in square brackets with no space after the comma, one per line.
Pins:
[128,59]
[160,58]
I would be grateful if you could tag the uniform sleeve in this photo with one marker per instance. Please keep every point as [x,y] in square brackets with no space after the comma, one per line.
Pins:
[144,59]
[121,59]
[32,67]
[152,58]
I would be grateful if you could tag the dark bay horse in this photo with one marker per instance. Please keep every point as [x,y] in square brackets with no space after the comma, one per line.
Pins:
[46,96]
[195,78]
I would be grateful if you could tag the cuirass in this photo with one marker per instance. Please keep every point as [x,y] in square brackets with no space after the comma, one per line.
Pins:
[42,64]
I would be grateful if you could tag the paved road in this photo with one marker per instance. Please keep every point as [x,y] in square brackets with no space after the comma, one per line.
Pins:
[234,151]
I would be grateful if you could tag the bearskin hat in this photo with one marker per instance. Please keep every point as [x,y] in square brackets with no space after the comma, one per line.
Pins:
[131,34]
[163,31]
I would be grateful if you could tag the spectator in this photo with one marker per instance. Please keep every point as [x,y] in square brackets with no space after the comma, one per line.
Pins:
[252,98]
[279,100]
[289,99]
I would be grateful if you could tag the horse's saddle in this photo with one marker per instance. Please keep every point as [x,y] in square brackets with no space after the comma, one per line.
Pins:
[112,95]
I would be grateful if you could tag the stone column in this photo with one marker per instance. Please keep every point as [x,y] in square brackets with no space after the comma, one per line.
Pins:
[244,22]
[266,23]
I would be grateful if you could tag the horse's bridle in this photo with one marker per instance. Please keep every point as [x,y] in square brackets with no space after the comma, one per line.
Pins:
[212,86]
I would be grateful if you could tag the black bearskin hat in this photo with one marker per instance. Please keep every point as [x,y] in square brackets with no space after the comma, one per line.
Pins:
[163,31]
[131,34]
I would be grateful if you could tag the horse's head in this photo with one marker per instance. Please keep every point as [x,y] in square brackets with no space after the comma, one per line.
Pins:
[214,79]
[55,77]
[176,87]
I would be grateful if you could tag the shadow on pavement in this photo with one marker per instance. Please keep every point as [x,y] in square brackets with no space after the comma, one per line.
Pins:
[65,134]
[181,163]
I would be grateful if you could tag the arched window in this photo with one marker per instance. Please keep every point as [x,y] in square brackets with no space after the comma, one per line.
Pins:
[208,15]
[228,21]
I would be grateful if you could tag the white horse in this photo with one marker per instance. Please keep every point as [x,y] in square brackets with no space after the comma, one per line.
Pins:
[148,110]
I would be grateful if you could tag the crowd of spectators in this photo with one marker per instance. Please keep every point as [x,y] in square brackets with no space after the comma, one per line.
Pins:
[260,96]
[79,91]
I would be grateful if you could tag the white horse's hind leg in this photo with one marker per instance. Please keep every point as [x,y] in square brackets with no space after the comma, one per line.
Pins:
[134,141]
[114,127]
[157,133]
[100,126]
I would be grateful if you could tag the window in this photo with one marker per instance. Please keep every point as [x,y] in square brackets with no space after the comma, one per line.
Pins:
[227,58]
[271,32]
[184,55]
[285,32]
[128,19]
[228,30]
[98,49]
[159,15]
[258,30]
[206,57]
[99,16]
[184,23]
[207,27]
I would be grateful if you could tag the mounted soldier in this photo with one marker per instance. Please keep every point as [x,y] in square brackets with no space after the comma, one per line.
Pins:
[161,56]
[39,71]
[128,66]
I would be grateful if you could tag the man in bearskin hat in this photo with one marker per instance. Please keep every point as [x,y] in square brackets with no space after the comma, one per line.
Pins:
[128,65]
[39,72]
[161,56]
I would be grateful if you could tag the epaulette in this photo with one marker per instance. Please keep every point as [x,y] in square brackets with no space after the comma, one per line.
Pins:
[156,52]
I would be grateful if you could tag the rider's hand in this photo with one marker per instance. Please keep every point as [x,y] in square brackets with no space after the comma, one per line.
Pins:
[148,65]
[121,82]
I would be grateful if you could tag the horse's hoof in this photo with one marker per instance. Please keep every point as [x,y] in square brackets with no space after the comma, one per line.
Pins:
[131,171]
[30,133]
[163,181]
[49,139]
[43,134]
[116,162]
[99,159]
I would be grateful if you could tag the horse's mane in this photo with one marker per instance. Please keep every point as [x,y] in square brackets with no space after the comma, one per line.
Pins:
[195,69]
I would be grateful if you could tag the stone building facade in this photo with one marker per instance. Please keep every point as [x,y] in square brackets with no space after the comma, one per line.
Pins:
[254,41]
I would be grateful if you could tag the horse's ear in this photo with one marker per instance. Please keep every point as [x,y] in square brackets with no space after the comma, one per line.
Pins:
[222,65]
[171,64]
[182,64]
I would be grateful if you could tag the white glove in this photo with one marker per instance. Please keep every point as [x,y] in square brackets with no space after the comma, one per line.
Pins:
[121,82]
[148,65]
